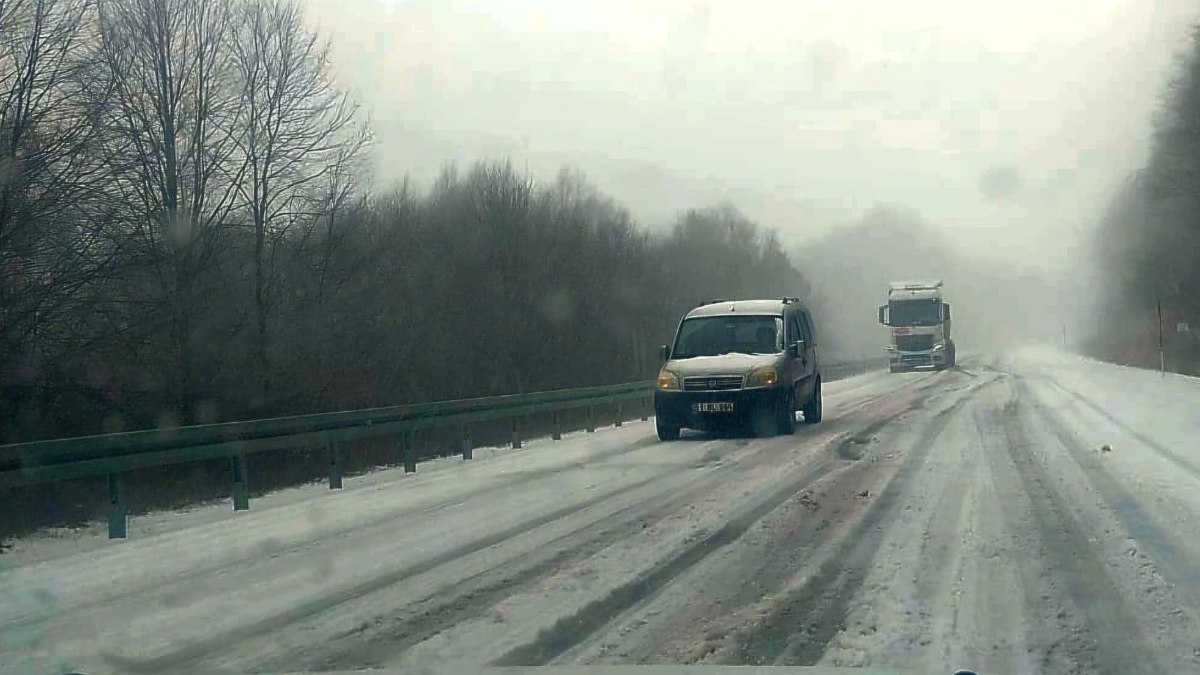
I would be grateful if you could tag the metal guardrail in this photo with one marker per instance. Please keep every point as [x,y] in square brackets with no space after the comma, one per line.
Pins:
[114,455]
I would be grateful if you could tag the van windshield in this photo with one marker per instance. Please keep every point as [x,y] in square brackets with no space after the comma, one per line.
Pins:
[716,335]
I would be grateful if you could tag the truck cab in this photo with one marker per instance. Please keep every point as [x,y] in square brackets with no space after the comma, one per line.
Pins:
[919,318]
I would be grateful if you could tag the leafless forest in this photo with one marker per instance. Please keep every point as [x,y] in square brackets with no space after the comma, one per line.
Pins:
[189,233]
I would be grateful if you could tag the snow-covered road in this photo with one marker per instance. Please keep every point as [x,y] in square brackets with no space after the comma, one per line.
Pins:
[1029,512]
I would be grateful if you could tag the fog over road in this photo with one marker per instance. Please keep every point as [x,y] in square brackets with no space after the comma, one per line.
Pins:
[1024,512]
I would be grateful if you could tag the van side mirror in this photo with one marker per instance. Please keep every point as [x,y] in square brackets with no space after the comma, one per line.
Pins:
[664,353]
[797,348]
[883,314]
[946,311]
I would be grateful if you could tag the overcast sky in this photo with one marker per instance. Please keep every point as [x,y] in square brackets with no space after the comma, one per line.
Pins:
[1006,123]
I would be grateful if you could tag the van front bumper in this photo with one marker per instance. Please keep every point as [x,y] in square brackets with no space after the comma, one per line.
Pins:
[677,408]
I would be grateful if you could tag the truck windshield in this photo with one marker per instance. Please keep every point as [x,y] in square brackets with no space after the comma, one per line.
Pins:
[914,313]
[716,335]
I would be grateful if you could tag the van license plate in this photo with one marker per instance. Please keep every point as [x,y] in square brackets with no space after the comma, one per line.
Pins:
[720,406]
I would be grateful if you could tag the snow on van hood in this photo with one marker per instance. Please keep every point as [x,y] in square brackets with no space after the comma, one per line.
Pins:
[725,364]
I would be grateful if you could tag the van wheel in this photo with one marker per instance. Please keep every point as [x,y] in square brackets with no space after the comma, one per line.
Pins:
[665,432]
[785,414]
[813,409]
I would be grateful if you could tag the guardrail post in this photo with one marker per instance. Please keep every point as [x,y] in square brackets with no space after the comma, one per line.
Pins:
[117,517]
[241,495]
[620,410]
[465,440]
[554,420]
[409,451]
[591,419]
[335,466]
[516,433]
[647,406]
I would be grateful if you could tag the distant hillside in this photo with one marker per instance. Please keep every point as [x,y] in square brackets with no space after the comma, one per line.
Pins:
[993,304]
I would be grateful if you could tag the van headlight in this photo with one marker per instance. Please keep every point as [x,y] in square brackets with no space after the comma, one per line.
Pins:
[762,377]
[668,381]
[938,348]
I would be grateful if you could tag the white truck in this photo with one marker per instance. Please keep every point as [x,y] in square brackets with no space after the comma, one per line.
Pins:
[919,316]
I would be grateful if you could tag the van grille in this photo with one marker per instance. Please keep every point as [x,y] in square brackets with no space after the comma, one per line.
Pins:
[712,383]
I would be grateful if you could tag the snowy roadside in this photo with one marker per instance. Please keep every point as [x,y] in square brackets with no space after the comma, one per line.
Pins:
[446,477]
[1138,434]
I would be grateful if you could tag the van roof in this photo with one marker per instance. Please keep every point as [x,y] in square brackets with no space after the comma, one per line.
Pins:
[728,307]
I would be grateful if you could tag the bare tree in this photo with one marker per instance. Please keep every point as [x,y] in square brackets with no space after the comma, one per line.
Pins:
[174,145]
[301,136]
[52,243]
[323,235]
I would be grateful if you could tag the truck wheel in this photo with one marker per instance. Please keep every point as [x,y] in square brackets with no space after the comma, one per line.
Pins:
[785,414]
[813,409]
[665,431]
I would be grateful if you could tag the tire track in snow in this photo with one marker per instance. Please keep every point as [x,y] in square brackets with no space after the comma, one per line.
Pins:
[186,655]
[941,541]
[688,626]
[1157,563]
[572,631]
[473,595]
[497,584]
[798,629]
[1113,642]
[1170,556]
